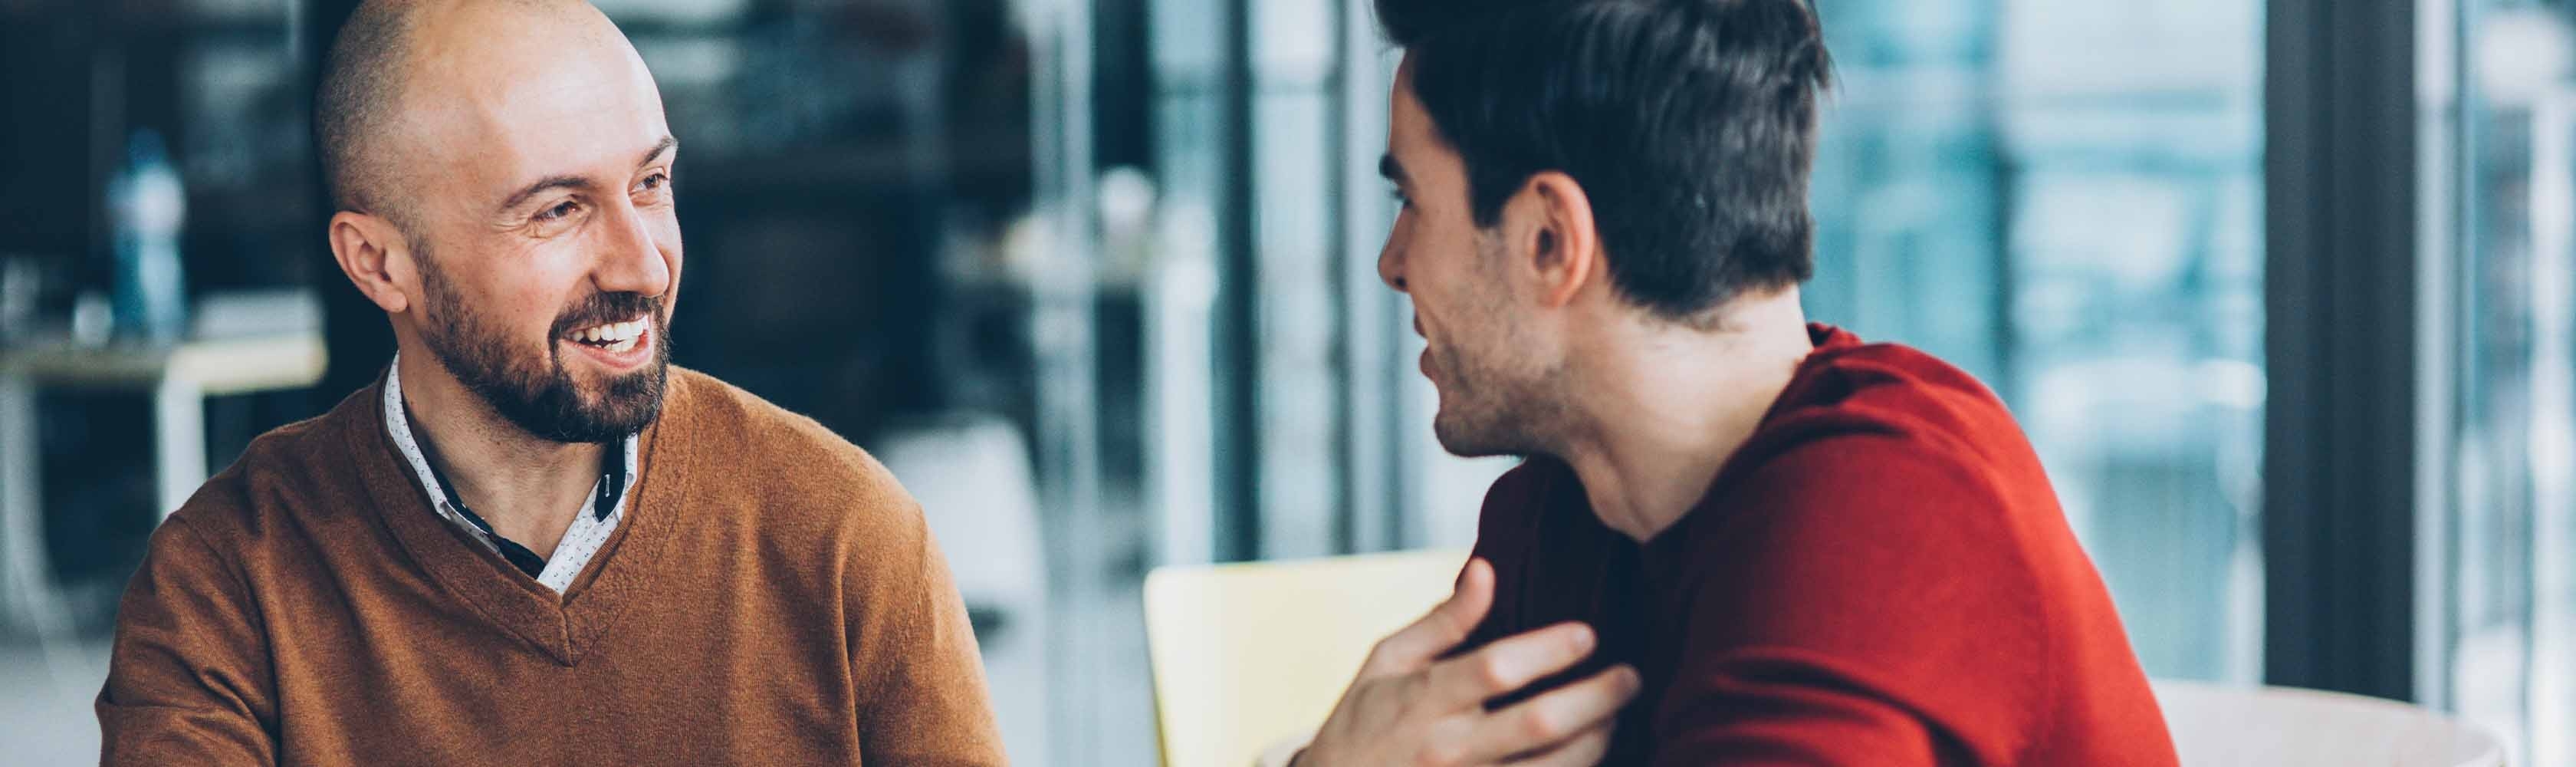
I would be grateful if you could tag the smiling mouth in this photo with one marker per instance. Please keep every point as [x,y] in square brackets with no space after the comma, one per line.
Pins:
[612,337]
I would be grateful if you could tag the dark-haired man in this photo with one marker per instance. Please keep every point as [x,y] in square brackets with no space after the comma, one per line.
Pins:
[532,541]
[1740,538]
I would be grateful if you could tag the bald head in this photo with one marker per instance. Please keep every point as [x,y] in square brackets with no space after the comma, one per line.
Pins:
[395,59]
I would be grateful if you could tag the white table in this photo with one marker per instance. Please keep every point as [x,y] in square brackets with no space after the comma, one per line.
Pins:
[178,378]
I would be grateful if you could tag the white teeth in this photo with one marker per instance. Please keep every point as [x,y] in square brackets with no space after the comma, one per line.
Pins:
[618,334]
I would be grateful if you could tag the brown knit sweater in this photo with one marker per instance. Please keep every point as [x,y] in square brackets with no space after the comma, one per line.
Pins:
[772,598]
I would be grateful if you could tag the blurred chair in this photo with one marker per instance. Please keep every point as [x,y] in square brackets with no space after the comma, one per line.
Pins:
[1249,659]
[1251,656]
[2217,726]
[971,474]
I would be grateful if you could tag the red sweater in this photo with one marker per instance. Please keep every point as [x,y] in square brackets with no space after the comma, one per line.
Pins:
[1880,575]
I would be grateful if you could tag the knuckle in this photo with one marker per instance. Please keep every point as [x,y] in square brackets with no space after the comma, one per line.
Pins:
[1541,723]
[1444,753]
[1379,653]
[1493,672]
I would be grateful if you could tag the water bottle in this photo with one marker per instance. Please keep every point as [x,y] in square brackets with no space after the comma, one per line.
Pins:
[148,203]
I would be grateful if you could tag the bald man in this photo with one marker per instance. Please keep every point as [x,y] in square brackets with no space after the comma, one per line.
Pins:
[532,541]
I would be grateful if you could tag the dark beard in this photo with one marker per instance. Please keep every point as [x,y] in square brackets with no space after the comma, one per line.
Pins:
[539,395]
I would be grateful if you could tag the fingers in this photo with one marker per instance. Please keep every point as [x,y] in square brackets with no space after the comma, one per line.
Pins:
[1509,664]
[1417,645]
[1544,722]
[1583,750]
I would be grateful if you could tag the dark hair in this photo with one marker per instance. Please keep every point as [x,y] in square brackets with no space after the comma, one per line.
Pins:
[1690,125]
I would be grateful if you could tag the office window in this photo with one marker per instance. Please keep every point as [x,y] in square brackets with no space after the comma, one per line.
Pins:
[2501,117]
[2064,199]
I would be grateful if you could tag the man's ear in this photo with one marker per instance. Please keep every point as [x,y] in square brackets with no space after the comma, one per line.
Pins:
[1564,246]
[371,251]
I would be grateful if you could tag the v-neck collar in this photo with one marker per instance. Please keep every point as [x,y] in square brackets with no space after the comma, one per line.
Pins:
[616,465]
[559,625]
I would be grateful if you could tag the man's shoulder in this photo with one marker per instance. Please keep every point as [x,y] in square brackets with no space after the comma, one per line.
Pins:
[292,469]
[1874,403]
[1888,385]
[793,463]
[748,427]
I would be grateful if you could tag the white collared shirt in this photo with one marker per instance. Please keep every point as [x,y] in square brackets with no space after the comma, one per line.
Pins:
[580,542]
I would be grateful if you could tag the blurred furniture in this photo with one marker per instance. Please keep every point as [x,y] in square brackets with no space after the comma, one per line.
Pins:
[971,474]
[178,378]
[1250,656]
[2219,726]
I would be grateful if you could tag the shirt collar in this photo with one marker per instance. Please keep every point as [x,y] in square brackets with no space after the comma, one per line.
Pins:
[616,469]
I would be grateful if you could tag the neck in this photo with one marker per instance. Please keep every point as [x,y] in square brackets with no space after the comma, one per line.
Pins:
[527,488]
[1666,405]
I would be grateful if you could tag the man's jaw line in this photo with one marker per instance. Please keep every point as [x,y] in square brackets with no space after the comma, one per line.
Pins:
[455,414]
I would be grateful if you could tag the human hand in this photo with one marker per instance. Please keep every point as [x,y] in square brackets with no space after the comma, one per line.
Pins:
[1410,707]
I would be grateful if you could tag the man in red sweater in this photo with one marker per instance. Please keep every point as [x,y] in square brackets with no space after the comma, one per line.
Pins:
[1739,538]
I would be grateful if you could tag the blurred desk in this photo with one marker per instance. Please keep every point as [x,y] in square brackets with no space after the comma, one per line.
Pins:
[178,379]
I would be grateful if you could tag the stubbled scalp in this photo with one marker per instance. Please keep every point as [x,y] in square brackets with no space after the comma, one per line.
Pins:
[372,69]
[361,83]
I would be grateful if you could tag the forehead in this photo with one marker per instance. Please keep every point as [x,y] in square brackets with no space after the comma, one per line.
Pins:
[1406,122]
[500,116]
[1410,136]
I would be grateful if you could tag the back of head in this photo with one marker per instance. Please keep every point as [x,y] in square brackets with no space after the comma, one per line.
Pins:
[1690,125]
[360,85]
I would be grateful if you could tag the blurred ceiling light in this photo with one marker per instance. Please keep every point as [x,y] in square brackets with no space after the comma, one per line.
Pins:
[2523,53]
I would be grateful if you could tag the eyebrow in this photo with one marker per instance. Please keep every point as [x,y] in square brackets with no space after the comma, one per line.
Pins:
[659,148]
[547,184]
[1388,167]
[550,183]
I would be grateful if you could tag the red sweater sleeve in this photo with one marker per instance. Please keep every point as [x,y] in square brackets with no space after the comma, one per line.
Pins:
[1865,601]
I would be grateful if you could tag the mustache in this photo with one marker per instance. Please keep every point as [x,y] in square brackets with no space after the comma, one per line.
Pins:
[601,308]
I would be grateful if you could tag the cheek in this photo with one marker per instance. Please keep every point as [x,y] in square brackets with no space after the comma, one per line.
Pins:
[666,237]
[535,288]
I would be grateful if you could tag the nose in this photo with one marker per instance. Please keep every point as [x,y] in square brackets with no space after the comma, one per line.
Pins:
[631,258]
[1390,265]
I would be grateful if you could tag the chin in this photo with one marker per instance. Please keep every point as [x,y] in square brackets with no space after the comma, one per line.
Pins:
[1466,440]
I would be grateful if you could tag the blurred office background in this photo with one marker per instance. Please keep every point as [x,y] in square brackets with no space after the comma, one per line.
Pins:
[1096,279]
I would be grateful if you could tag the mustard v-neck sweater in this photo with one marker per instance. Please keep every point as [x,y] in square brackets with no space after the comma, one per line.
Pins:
[773,598]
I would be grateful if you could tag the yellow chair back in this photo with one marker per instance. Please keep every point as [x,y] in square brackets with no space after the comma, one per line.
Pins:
[1247,656]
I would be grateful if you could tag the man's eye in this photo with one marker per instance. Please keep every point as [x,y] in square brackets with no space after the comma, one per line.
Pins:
[656,181]
[559,211]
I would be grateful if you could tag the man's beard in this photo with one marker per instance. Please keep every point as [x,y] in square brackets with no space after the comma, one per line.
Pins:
[540,395]
[1488,411]
[1494,400]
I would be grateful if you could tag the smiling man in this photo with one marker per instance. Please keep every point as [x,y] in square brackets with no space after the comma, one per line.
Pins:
[533,541]
[1739,538]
